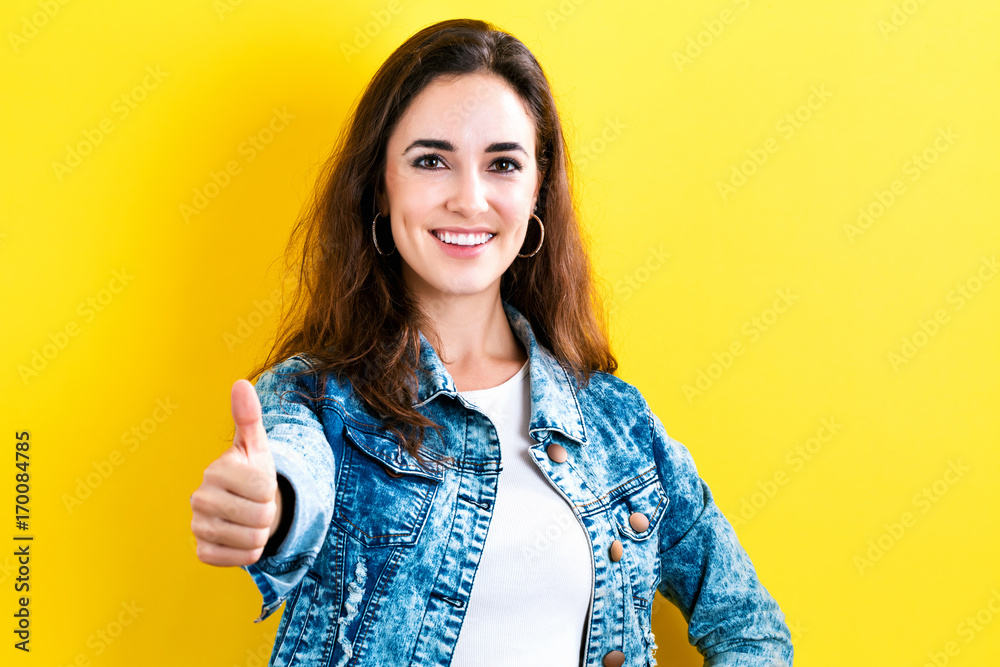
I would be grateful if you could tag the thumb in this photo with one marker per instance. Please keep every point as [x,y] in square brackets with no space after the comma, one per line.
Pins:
[250,438]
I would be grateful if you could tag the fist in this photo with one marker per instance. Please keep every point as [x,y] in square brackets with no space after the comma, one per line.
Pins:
[238,506]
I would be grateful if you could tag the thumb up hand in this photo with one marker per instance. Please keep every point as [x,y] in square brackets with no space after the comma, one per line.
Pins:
[250,440]
[238,506]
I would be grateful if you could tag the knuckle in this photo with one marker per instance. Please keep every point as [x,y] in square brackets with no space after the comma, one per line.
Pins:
[262,514]
[198,527]
[270,512]
[211,477]
[212,530]
[264,481]
[205,552]
[230,508]
[198,502]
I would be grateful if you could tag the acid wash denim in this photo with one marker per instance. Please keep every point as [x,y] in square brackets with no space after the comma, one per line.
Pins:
[378,564]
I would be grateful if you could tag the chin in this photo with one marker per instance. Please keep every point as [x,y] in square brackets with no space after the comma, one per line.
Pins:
[465,288]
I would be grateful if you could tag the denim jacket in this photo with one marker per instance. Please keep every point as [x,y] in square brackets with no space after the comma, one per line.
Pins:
[378,563]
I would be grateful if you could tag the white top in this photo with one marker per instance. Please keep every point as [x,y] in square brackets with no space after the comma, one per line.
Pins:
[531,594]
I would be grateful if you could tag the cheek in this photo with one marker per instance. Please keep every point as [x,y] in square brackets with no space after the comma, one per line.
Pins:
[409,197]
[516,208]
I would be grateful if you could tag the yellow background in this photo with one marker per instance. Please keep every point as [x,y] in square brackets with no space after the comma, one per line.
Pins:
[662,102]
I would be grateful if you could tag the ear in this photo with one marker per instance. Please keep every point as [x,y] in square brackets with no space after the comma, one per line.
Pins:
[381,199]
[538,190]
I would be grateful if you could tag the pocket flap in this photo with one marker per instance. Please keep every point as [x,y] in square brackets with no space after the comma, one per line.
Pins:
[648,504]
[387,450]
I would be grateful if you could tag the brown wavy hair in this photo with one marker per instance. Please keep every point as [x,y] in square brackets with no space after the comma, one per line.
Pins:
[351,314]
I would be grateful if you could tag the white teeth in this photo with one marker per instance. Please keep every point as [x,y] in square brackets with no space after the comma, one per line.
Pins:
[464,239]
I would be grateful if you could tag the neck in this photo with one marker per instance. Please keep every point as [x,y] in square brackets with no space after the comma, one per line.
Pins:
[471,332]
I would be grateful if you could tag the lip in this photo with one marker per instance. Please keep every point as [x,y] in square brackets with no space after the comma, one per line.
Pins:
[464,230]
[461,251]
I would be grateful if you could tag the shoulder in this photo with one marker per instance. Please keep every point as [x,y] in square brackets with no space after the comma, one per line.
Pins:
[298,378]
[286,374]
[303,379]
[615,411]
[605,391]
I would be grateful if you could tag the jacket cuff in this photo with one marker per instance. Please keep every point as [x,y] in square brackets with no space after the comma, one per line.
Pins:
[278,573]
[287,508]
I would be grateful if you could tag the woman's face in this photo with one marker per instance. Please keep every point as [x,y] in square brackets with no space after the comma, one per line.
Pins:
[461,184]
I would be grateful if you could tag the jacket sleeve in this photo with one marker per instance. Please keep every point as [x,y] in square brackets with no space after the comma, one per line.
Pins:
[304,457]
[732,620]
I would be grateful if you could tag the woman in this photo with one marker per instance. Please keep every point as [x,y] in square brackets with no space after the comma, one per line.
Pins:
[442,469]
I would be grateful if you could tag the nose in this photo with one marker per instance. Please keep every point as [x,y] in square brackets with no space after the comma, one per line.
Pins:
[469,195]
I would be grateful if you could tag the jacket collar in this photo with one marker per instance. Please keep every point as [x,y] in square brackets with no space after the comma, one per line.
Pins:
[554,405]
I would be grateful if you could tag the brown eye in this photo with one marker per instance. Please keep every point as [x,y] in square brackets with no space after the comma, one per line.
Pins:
[427,162]
[506,164]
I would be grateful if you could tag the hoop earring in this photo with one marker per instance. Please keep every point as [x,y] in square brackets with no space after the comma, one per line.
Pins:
[375,239]
[541,238]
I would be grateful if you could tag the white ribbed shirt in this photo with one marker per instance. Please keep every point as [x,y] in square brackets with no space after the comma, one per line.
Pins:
[531,594]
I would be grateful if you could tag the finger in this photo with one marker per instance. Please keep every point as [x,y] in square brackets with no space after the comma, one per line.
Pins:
[241,478]
[251,437]
[216,502]
[223,556]
[216,530]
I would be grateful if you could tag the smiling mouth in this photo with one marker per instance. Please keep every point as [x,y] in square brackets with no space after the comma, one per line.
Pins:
[463,239]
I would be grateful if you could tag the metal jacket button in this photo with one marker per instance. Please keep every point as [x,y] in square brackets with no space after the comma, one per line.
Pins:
[556,452]
[614,659]
[638,521]
[616,551]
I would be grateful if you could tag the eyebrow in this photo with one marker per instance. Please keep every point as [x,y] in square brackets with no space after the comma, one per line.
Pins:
[443,145]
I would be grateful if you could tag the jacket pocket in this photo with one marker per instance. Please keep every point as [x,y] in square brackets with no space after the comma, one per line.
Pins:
[638,511]
[637,514]
[378,502]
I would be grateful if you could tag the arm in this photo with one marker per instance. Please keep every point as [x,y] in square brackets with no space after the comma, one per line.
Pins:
[304,464]
[732,620]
